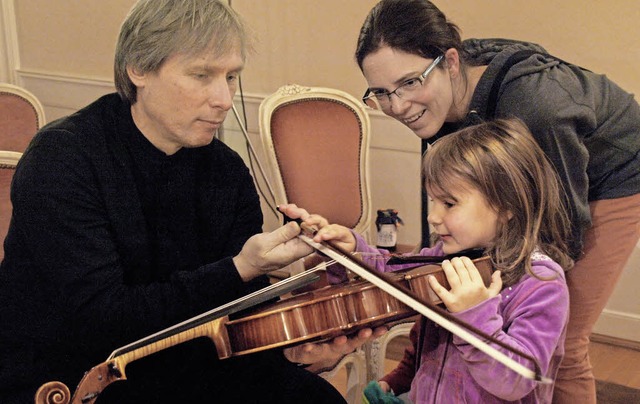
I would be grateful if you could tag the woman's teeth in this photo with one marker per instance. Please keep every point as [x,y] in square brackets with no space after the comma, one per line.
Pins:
[414,118]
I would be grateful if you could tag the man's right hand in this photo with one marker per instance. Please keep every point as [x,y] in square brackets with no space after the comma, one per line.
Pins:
[267,252]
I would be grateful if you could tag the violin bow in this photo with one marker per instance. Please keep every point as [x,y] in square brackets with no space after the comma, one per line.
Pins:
[427,309]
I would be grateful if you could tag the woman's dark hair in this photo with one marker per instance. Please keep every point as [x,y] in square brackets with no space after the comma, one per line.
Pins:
[413,26]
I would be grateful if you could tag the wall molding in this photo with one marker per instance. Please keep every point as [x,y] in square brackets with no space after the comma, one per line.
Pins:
[624,343]
[62,94]
[619,324]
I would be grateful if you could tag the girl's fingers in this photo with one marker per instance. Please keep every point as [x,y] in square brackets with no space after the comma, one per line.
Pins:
[450,272]
[442,292]
[471,269]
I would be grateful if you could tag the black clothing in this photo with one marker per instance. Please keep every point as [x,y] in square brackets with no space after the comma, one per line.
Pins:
[112,240]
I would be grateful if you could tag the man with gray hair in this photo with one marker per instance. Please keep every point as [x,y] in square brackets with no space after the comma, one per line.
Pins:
[130,217]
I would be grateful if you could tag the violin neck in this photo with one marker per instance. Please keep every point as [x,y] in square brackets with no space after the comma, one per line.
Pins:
[161,342]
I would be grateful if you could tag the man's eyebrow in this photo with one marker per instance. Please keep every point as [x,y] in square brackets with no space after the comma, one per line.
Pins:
[209,68]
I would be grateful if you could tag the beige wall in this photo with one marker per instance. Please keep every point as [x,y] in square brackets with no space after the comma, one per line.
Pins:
[69,37]
[312,42]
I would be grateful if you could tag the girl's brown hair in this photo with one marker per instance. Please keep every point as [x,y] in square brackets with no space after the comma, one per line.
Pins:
[502,160]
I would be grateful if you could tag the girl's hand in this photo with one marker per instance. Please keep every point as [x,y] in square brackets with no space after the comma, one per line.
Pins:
[339,236]
[467,287]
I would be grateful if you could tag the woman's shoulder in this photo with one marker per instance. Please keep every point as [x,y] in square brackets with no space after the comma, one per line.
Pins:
[496,50]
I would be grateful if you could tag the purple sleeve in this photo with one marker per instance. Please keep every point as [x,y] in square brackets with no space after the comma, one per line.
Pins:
[531,317]
[375,258]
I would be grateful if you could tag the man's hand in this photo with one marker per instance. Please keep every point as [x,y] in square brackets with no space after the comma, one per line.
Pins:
[326,355]
[266,252]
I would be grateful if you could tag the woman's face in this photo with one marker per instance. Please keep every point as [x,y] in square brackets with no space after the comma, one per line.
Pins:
[426,110]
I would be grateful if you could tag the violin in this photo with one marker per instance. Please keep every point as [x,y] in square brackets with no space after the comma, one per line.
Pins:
[329,312]
[371,301]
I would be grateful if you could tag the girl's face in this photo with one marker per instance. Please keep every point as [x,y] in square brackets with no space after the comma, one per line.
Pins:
[428,107]
[462,219]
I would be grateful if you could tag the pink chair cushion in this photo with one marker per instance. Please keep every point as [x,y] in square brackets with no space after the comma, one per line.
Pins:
[18,122]
[317,144]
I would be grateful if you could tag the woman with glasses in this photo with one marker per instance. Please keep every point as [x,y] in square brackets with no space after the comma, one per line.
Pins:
[421,73]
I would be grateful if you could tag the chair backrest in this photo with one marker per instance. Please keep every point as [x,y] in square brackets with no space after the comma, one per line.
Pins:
[317,145]
[21,115]
[8,162]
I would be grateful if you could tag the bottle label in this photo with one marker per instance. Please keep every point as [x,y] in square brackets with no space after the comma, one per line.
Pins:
[387,236]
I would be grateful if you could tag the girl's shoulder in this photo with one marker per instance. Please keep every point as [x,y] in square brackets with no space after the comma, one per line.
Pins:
[545,283]
[545,268]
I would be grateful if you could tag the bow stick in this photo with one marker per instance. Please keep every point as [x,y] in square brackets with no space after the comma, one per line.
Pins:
[429,310]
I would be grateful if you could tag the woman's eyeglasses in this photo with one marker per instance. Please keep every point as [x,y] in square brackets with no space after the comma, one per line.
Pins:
[381,99]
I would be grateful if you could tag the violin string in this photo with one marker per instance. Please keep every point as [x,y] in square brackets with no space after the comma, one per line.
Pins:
[323,264]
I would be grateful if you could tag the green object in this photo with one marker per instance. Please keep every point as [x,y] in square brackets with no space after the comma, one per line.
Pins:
[373,394]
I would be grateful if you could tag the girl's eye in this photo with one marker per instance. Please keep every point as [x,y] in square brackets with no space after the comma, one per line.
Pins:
[448,204]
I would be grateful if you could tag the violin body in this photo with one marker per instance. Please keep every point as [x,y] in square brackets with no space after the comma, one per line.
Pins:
[329,312]
[310,317]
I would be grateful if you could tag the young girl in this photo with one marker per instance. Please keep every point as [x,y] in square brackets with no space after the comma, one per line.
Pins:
[491,187]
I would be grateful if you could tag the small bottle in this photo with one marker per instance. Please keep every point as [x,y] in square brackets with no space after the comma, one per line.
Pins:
[387,226]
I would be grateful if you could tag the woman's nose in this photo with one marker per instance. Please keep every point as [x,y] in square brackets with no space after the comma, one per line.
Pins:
[397,105]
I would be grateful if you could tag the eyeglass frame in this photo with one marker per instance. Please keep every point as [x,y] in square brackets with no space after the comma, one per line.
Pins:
[421,78]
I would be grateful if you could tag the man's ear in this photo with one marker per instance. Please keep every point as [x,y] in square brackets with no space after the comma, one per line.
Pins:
[135,76]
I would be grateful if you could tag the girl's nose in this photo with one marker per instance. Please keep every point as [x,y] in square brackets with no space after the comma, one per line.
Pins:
[434,217]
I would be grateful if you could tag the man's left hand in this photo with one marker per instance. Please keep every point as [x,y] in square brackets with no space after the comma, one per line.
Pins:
[326,355]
